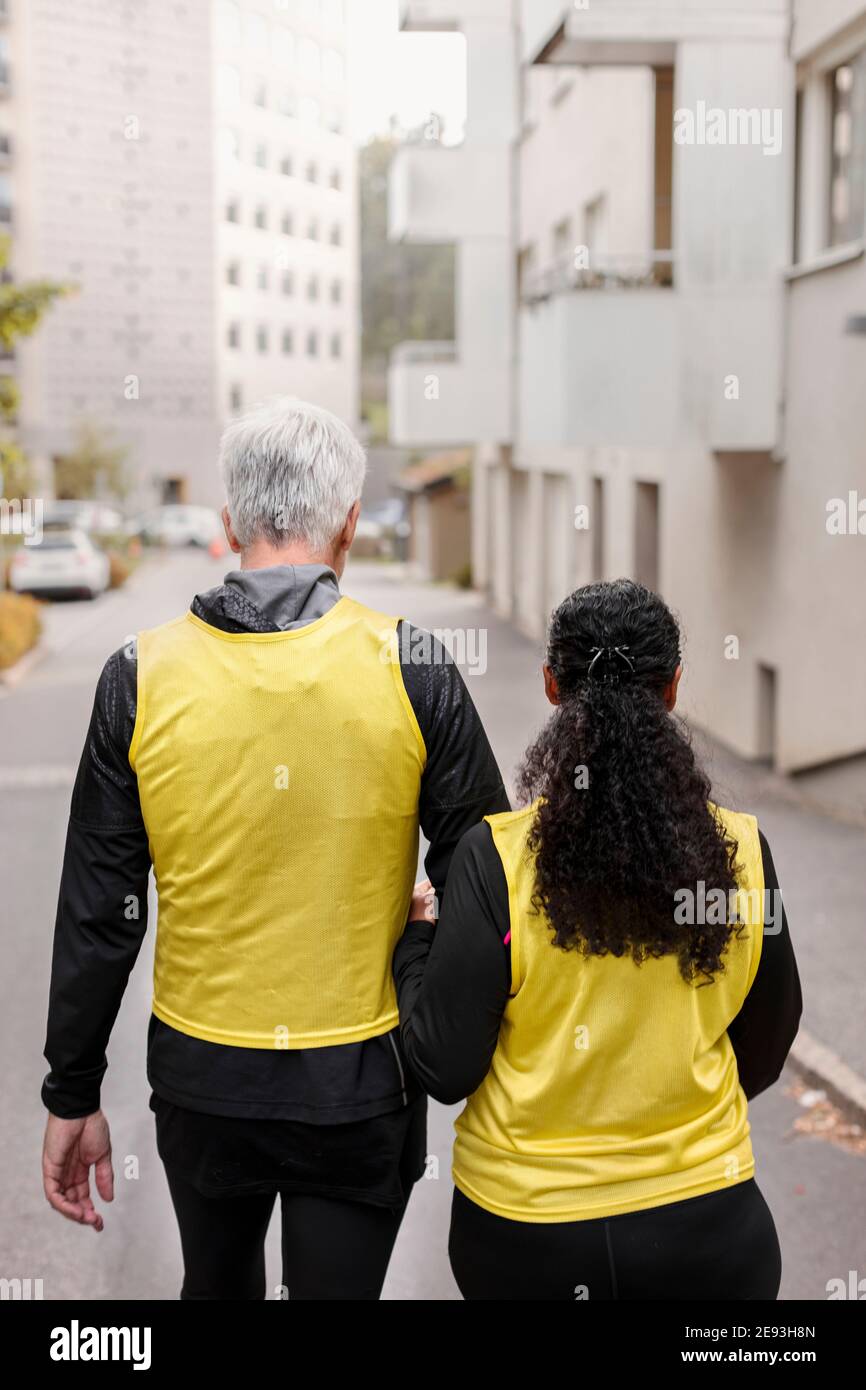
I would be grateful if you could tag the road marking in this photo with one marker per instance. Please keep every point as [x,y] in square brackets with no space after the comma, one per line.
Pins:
[16,779]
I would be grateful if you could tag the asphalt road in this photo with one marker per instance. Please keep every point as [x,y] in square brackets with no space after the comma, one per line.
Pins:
[816,1186]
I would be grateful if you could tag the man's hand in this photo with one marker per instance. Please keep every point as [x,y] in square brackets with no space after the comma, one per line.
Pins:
[423,907]
[70,1149]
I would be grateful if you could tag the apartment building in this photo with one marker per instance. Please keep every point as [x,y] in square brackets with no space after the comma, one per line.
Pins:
[687,196]
[188,168]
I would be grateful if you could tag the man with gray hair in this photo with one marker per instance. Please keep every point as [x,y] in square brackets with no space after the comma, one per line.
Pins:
[271,753]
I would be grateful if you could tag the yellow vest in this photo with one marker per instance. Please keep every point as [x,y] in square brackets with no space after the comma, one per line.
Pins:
[279,776]
[614,1086]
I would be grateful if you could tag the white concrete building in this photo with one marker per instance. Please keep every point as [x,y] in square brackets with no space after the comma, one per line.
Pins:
[188,166]
[690,357]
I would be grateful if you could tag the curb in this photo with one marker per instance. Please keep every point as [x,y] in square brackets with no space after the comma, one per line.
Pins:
[823,1067]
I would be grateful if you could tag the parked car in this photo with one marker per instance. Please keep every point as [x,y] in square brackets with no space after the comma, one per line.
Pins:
[64,562]
[96,518]
[177,524]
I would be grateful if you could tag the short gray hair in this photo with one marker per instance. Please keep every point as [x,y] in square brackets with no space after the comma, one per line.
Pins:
[291,472]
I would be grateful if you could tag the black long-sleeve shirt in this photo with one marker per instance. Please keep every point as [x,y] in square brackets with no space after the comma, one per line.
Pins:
[102,907]
[453,982]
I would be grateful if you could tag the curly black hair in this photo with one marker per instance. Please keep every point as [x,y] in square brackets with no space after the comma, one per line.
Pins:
[623,820]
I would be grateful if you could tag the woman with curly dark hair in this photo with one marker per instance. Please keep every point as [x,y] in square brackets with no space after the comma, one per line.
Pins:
[610,980]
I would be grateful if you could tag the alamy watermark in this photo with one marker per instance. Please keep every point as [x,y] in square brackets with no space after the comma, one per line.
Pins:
[23,519]
[712,125]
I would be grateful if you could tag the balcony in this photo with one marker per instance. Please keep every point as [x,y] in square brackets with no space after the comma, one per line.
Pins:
[647,366]
[623,270]
[428,16]
[436,399]
[623,32]
[439,193]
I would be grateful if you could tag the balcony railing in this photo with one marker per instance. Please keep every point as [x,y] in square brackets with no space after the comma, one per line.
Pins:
[428,15]
[415,351]
[621,270]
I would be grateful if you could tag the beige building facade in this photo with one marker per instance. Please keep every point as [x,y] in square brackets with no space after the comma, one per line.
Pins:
[687,246]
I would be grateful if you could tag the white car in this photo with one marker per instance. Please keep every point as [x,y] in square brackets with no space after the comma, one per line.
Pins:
[96,518]
[177,524]
[64,562]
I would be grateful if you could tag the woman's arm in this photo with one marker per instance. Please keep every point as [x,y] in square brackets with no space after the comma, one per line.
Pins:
[766,1026]
[453,979]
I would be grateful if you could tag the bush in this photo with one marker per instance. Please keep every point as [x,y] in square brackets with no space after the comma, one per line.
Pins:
[20,627]
[119,571]
[463,576]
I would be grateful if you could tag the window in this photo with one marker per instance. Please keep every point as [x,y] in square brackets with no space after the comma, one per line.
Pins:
[228,23]
[336,345]
[260,219]
[230,143]
[333,68]
[336,180]
[313,288]
[313,230]
[260,92]
[261,339]
[594,222]
[309,111]
[228,83]
[848,152]
[309,59]
[261,156]
[288,282]
[233,273]
[257,31]
[262,278]
[334,122]
[236,398]
[288,341]
[336,292]
[233,210]
[286,165]
[767,719]
[287,104]
[563,242]
[233,337]
[526,271]
[312,343]
[336,235]
[312,173]
[646,534]
[597,528]
[287,223]
[284,47]
[5,199]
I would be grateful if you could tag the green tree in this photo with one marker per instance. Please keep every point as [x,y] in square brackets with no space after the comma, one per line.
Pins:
[94,467]
[22,307]
[407,292]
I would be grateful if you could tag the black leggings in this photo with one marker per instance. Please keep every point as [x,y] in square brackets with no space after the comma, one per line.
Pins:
[331,1249]
[720,1246]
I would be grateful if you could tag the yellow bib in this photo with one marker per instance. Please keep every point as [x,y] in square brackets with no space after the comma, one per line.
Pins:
[279,776]
[613,1086]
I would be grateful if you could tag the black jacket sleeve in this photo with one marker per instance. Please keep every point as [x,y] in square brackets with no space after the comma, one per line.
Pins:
[102,905]
[766,1026]
[453,979]
[453,983]
[461,783]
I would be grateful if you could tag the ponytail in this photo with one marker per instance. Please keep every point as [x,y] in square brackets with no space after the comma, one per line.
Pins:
[623,821]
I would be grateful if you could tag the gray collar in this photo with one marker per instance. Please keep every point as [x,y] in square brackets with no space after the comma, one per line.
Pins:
[289,595]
